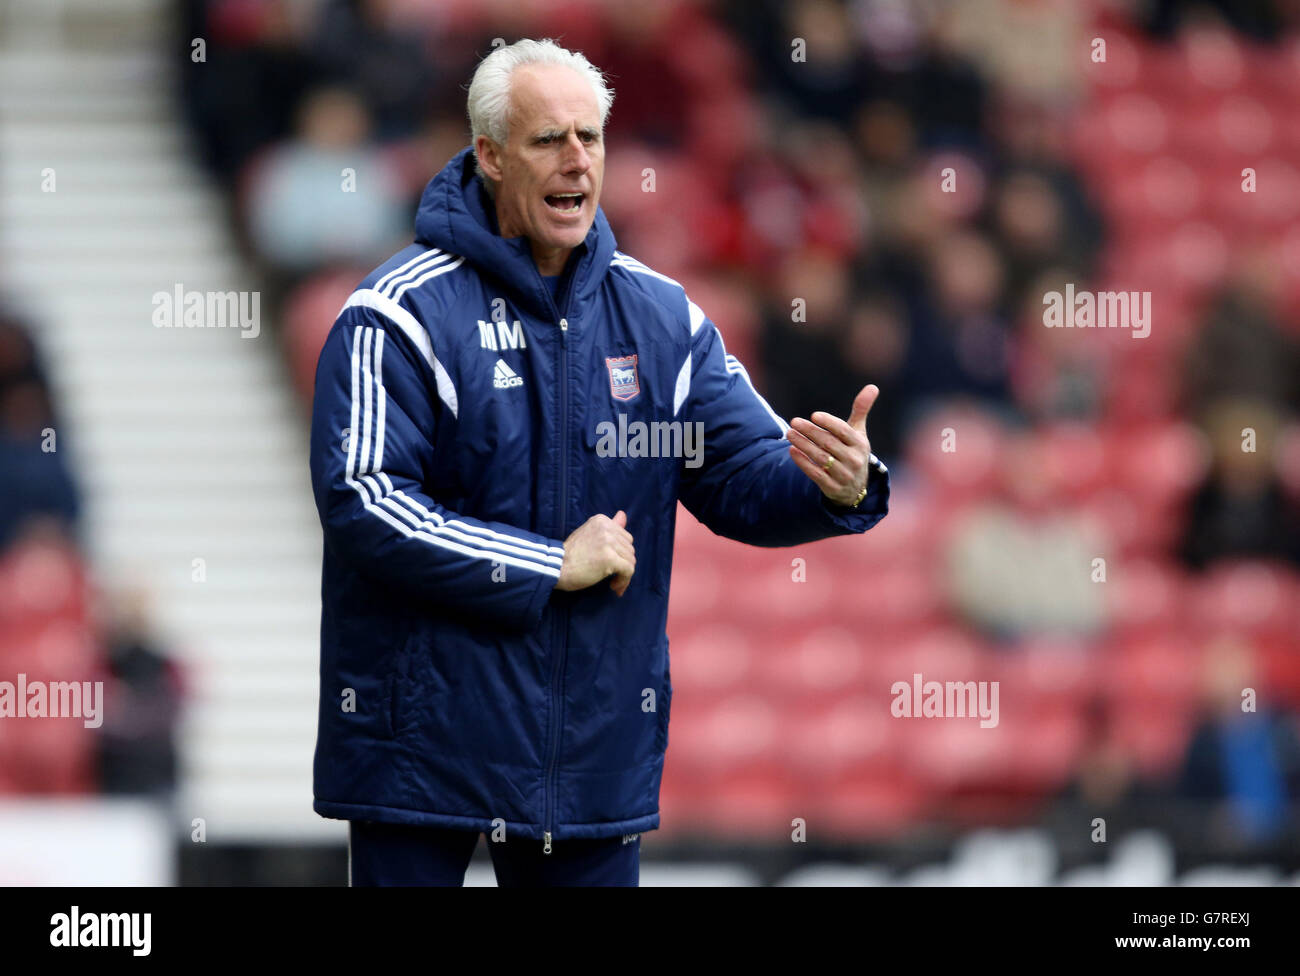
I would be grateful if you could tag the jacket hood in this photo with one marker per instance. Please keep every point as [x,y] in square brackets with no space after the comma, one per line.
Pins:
[457,215]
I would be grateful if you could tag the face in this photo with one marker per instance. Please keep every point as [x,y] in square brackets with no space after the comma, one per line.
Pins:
[549,172]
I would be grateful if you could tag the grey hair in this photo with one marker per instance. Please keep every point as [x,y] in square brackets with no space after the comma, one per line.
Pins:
[489,90]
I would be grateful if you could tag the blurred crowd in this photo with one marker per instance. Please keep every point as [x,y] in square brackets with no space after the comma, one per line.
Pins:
[855,191]
[57,624]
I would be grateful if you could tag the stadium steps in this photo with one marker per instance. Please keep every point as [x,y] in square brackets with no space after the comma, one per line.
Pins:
[188,443]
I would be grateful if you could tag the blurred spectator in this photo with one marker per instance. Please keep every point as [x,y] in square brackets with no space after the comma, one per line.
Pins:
[1241,509]
[826,76]
[872,348]
[244,95]
[1241,350]
[960,339]
[637,48]
[804,325]
[885,139]
[37,483]
[46,635]
[1031,221]
[359,44]
[1017,566]
[1259,19]
[1245,763]
[1054,375]
[137,742]
[1106,782]
[1032,49]
[326,196]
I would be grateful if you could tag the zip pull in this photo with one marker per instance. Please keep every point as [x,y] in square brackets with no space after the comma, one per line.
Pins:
[546,847]
[564,325]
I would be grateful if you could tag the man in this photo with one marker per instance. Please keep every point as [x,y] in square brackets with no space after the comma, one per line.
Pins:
[475,674]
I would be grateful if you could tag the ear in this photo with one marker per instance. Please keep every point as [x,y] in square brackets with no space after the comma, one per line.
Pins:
[489,158]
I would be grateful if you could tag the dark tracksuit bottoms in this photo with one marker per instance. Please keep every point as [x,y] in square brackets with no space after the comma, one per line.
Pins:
[383,854]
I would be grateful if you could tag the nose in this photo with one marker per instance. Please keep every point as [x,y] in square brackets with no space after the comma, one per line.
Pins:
[576,158]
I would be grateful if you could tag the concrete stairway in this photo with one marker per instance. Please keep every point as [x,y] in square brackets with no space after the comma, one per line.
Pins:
[188,442]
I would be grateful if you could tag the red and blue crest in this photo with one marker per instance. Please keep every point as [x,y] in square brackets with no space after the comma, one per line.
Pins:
[624,383]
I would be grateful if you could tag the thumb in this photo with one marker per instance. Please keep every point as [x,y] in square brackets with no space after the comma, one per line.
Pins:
[862,405]
[620,519]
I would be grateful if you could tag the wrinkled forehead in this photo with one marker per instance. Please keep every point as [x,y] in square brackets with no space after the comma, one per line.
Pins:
[551,96]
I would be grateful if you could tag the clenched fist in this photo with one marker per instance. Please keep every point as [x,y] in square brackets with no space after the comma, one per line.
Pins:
[599,547]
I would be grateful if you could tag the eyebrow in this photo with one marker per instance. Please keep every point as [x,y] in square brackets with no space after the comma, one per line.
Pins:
[584,130]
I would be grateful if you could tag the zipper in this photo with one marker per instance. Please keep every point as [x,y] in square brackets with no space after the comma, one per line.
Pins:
[562,615]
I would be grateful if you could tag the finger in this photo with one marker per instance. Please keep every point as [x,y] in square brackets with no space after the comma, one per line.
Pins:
[621,582]
[862,406]
[816,456]
[816,474]
[846,452]
[625,552]
[840,429]
[620,523]
[621,561]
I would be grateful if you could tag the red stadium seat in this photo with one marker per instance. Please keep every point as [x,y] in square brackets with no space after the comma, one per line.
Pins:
[710,658]
[1074,459]
[1251,596]
[781,585]
[730,733]
[958,450]
[760,805]
[308,317]
[881,805]
[1135,123]
[696,586]
[1158,672]
[1052,671]
[850,733]
[1156,738]
[42,580]
[1279,664]
[1147,595]
[1157,463]
[1048,755]
[948,753]
[1211,58]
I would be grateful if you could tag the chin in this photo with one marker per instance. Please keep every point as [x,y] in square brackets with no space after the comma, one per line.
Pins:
[568,238]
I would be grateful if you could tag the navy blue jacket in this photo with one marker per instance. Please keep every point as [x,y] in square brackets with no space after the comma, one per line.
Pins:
[465,422]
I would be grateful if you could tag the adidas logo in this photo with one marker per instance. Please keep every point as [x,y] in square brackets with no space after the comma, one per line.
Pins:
[503,377]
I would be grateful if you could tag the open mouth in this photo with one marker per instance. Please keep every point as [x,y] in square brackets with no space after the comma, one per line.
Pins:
[565,203]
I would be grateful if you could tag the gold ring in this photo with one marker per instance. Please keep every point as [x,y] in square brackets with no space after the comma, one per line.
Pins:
[830,463]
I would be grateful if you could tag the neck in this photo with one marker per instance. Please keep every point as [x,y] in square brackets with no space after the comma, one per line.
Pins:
[550,260]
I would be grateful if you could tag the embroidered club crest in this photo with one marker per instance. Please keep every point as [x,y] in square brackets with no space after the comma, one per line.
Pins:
[624,384]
